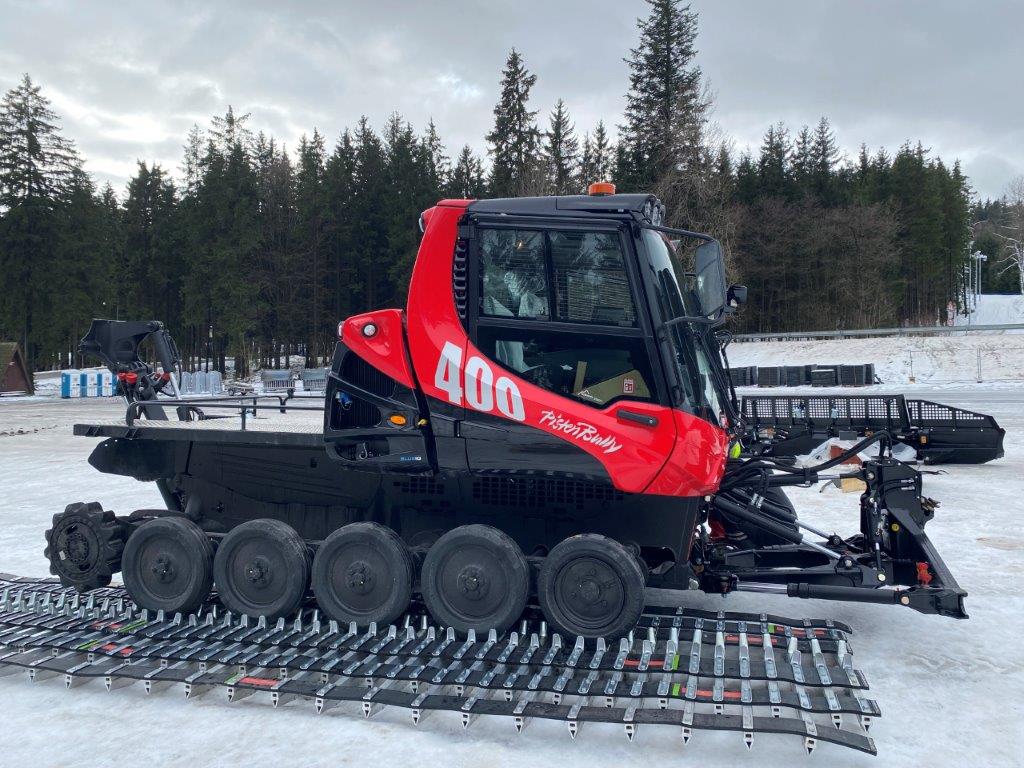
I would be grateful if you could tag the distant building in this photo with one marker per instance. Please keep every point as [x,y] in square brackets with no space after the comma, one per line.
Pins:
[14,376]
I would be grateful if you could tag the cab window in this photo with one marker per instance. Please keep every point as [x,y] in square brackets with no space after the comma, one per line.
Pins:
[590,278]
[587,367]
[556,309]
[513,274]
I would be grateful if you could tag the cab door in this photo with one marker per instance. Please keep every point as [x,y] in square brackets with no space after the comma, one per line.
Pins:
[559,373]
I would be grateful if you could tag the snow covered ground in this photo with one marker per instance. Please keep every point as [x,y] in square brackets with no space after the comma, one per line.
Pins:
[933,360]
[950,691]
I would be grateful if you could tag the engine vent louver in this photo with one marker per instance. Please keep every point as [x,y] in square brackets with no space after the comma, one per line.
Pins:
[460,280]
[538,493]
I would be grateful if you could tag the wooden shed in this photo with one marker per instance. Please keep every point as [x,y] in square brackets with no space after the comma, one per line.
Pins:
[14,376]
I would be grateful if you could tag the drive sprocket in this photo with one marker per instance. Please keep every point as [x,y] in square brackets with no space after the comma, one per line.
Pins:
[84,546]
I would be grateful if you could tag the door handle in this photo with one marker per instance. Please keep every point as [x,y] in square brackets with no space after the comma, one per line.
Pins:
[638,418]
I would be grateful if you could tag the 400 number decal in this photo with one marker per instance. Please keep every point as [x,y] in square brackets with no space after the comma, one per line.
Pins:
[475,386]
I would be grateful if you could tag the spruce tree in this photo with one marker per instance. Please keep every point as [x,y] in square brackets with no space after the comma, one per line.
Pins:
[342,229]
[467,179]
[665,107]
[561,152]
[515,139]
[598,158]
[39,172]
[774,168]
[310,221]
[825,156]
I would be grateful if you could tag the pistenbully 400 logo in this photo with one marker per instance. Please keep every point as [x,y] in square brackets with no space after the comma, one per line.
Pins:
[579,430]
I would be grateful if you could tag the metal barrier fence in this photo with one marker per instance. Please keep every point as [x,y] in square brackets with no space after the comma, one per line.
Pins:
[937,330]
[201,383]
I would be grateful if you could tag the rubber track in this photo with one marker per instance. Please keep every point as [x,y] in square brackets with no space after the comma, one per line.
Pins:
[726,673]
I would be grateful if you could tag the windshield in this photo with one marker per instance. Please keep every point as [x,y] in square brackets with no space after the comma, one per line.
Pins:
[699,372]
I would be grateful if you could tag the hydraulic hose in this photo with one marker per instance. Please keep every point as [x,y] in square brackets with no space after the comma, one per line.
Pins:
[756,470]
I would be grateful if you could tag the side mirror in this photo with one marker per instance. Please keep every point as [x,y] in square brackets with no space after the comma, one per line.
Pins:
[710,274]
[737,295]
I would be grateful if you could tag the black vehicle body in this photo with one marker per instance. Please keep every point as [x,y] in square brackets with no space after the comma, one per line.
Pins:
[384,452]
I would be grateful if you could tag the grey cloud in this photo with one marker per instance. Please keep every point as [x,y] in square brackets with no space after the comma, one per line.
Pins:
[943,72]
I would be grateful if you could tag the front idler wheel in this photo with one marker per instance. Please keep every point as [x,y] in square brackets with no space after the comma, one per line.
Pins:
[84,546]
[168,565]
[475,577]
[363,572]
[262,569]
[591,586]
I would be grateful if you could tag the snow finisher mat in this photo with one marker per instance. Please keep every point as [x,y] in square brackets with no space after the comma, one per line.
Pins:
[691,670]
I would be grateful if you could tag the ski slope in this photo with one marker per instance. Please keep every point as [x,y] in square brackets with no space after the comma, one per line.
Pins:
[949,690]
[995,309]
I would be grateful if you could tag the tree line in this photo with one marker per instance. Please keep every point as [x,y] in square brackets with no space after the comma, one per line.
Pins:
[255,250]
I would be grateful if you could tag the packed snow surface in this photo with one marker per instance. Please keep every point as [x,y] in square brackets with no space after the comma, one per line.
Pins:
[950,691]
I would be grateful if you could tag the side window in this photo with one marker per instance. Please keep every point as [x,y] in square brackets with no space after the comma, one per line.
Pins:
[589,367]
[513,274]
[590,279]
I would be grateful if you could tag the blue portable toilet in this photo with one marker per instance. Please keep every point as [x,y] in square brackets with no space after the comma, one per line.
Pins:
[67,380]
[83,384]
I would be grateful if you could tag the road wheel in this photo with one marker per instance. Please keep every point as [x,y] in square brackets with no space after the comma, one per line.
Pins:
[168,565]
[262,569]
[591,586]
[363,572]
[475,577]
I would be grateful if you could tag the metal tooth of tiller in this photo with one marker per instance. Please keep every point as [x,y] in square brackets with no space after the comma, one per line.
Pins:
[389,637]
[492,640]
[37,674]
[531,649]
[795,659]
[628,721]
[625,647]
[599,652]
[610,687]
[371,707]
[418,713]
[865,708]
[687,721]
[510,647]
[464,675]
[194,689]
[556,646]
[464,648]
[322,703]
[819,662]
[112,681]
[573,717]
[278,697]
[719,652]
[449,638]
[468,715]
[695,648]
[577,652]
[519,719]
[237,693]
[748,726]
[72,678]
[811,739]
[775,698]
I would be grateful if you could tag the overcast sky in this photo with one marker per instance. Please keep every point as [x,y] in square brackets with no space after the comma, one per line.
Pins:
[130,79]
